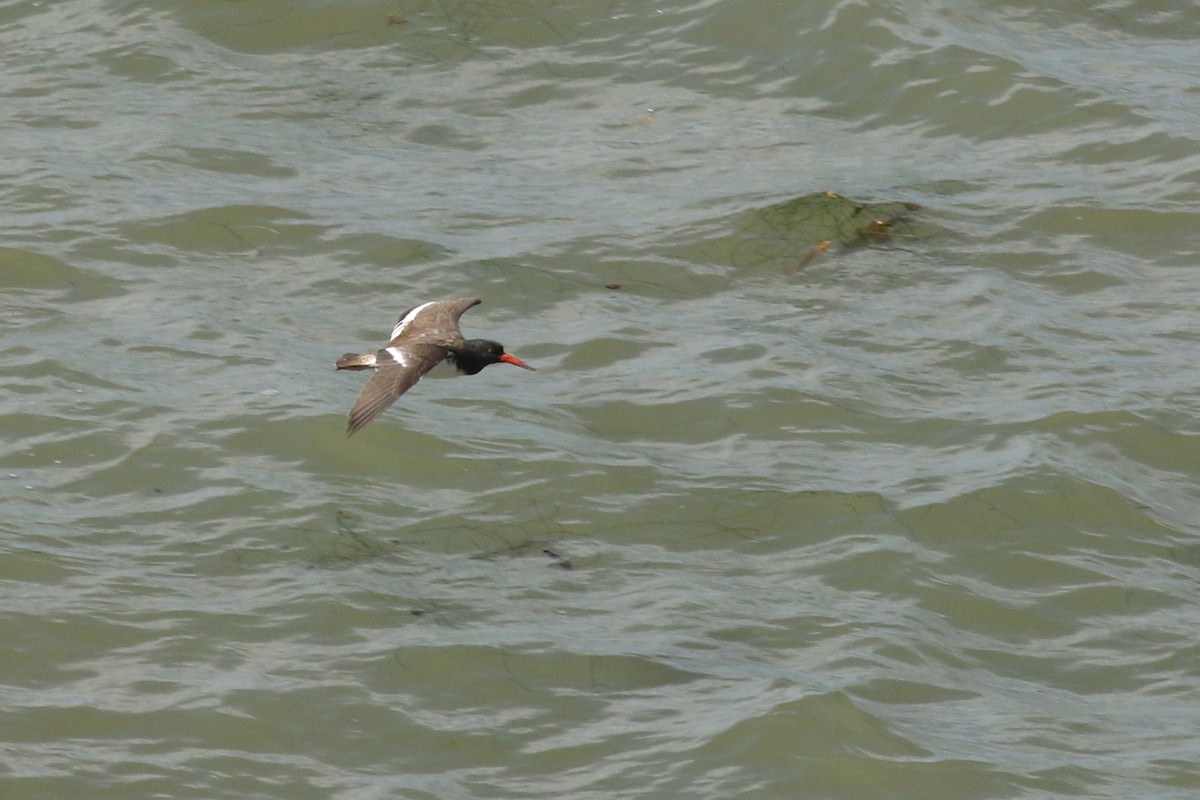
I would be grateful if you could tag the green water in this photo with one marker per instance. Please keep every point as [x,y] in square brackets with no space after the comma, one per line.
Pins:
[917,520]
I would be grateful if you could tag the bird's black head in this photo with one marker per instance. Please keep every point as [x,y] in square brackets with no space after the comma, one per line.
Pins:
[476,354]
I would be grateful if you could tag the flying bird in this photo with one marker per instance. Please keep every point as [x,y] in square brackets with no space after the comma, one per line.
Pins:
[425,337]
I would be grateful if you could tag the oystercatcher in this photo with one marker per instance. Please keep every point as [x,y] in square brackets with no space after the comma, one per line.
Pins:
[424,337]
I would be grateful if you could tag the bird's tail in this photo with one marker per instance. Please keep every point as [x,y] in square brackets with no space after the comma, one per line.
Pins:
[356,361]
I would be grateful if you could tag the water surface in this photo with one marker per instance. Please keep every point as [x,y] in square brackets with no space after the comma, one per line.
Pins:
[909,519]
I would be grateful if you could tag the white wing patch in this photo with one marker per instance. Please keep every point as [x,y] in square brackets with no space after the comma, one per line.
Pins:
[407,318]
[398,355]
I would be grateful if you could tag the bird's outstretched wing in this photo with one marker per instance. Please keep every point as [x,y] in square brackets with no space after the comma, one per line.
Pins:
[396,371]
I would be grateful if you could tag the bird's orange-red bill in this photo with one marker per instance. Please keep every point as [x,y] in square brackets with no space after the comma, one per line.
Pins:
[516,362]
